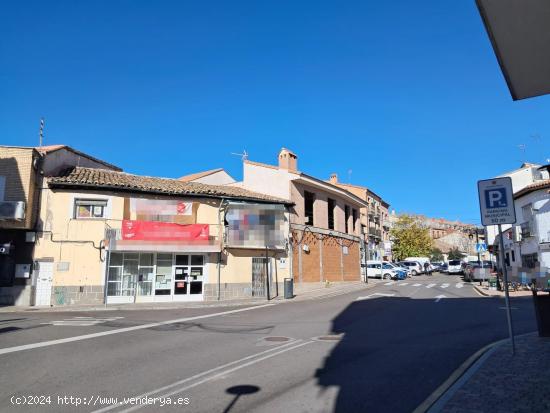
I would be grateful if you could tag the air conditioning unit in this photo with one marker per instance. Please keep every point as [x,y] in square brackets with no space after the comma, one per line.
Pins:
[12,210]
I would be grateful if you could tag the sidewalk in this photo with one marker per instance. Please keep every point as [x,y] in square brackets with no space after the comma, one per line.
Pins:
[485,290]
[305,291]
[501,383]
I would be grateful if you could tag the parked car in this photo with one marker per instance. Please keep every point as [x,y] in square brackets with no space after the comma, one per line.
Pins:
[455,267]
[444,268]
[400,273]
[421,260]
[475,270]
[375,270]
[415,267]
[436,266]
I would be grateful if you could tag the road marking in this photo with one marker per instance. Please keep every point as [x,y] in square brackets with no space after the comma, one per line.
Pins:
[372,295]
[444,285]
[439,297]
[417,285]
[459,285]
[81,321]
[389,283]
[403,284]
[274,352]
[7,350]
[431,285]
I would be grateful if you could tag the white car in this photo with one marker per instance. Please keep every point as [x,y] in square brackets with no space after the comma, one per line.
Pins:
[399,268]
[454,267]
[413,266]
[375,270]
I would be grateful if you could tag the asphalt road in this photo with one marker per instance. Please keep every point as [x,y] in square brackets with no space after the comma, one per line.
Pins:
[385,348]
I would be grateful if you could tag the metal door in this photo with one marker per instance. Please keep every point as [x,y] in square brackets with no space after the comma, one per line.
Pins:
[259,276]
[44,284]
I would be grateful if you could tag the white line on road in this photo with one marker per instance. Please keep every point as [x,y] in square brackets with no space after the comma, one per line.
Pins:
[459,285]
[417,285]
[390,283]
[444,285]
[274,352]
[403,284]
[431,285]
[121,330]
[372,295]
[439,297]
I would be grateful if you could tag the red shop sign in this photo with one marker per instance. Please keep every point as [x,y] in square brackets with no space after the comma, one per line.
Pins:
[163,231]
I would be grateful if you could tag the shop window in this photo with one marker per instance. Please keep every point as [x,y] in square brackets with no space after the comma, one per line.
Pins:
[89,208]
[309,200]
[163,276]
[331,203]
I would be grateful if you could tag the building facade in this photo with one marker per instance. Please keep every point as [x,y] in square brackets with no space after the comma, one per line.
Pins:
[374,220]
[113,237]
[22,173]
[326,235]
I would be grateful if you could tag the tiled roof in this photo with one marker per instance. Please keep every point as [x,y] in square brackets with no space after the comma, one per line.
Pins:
[52,148]
[49,148]
[545,183]
[198,175]
[113,180]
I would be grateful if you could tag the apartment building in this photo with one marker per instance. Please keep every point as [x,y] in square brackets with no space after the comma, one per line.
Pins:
[113,237]
[325,226]
[22,171]
[527,243]
[374,220]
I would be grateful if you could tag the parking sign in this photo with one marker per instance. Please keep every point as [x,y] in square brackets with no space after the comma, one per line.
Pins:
[496,201]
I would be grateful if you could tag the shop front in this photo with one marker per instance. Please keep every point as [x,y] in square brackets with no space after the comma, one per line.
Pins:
[156,277]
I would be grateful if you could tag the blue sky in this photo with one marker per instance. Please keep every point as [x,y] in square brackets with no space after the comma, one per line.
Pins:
[406,95]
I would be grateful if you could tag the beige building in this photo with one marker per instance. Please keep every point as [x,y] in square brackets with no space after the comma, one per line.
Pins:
[326,234]
[122,238]
[22,171]
[374,220]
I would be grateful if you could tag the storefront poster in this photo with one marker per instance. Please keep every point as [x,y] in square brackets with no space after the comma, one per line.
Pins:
[163,231]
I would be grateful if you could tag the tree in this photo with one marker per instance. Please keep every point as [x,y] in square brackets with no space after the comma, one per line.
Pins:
[455,254]
[437,255]
[410,239]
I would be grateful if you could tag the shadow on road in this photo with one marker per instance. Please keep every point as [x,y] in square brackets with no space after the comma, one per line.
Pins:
[396,351]
[238,391]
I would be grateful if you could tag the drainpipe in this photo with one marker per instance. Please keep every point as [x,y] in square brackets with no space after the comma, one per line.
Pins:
[220,236]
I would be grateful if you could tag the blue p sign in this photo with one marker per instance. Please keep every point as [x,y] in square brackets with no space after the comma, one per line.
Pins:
[496,198]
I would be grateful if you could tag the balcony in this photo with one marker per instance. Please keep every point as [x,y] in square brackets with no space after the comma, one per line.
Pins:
[375,233]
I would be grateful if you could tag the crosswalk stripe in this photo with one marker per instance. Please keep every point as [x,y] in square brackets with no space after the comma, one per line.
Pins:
[459,285]
[389,283]
[431,285]
[402,284]
[445,285]
[417,285]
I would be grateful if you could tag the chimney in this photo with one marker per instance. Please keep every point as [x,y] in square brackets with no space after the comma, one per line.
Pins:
[288,160]
[333,178]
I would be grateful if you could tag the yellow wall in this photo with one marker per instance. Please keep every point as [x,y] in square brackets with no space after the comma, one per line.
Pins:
[85,267]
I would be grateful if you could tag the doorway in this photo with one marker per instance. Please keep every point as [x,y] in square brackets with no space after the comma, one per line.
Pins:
[44,280]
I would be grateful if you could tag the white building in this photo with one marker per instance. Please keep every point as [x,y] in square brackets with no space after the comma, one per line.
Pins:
[525,175]
[527,243]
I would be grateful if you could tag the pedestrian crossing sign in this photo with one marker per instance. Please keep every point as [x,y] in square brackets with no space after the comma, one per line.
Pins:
[481,247]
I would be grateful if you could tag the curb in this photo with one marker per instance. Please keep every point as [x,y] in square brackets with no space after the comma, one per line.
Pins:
[437,400]
[480,291]
[215,304]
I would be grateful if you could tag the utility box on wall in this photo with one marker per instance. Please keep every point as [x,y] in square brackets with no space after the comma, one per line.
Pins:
[22,270]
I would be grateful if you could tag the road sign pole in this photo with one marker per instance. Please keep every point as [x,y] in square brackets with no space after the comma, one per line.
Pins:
[506,293]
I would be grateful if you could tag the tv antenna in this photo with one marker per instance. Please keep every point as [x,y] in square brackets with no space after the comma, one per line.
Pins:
[244,155]
[522,148]
[41,133]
